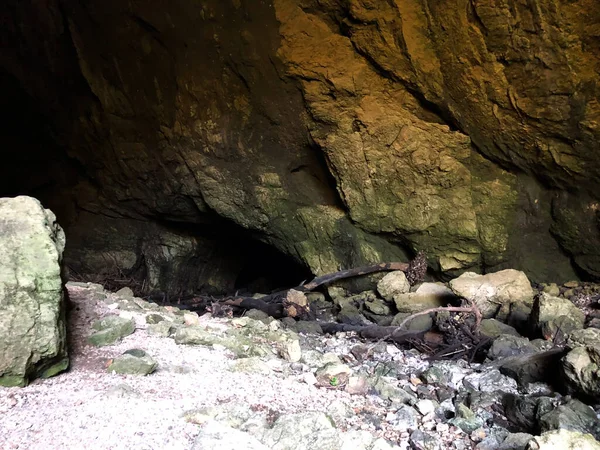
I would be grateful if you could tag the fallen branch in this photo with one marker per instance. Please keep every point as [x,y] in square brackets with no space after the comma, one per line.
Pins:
[331,277]
[471,308]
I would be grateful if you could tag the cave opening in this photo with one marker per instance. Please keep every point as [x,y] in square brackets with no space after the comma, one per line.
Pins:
[37,165]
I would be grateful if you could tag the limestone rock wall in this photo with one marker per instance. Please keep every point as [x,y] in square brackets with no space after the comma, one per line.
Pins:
[338,131]
[33,331]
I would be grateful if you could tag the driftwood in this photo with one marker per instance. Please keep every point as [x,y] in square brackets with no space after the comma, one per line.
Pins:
[456,338]
[373,332]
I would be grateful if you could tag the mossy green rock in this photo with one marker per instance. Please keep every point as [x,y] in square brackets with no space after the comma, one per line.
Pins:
[129,364]
[195,335]
[547,308]
[493,328]
[32,308]
[418,323]
[110,330]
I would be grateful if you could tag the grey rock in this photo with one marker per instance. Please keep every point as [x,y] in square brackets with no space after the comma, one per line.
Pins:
[388,390]
[154,318]
[551,289]
[406,418]
[111,329]
[125,292]
[161,329]
[420,440]
[301,431]
[290,350]
[564,440]
[436,288]
[493,328]
[32,307]
[133,364]
[515,441]
[392,284]
[445,373]
[508,345]
[419,323]
[493,291]
[352,316]
[195,335]
[494,437]
[558,329]
[217,436]
[573,415]
[589,337]
[316,359]
[426,406]
[122,391]
[413,302]
[333,374]
[490,381]
[581,370]
[547,308]
[466,419]
[378,306]
[257,314]
[307,327]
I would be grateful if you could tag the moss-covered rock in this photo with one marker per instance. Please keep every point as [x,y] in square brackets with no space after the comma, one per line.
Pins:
[32,307]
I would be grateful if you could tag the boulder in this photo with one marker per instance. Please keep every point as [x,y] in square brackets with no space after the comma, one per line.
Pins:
[392,284]
[564,439]
[414,302]
[551,315]
[581,366]
[494,293]
[32,302]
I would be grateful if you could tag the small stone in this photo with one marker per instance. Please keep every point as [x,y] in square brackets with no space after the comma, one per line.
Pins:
[333,374]
[191,318]
[162,329]
[551,289]
[357,385]
[125,293]
[406,418]
[465,419]
[425,406]
[290,350]
[424,441]
[309,378]
[154,318]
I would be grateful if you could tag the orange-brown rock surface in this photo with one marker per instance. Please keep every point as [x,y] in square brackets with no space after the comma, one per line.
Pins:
[338,131]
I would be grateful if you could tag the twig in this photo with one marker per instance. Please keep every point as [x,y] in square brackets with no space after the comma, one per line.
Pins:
[472,308]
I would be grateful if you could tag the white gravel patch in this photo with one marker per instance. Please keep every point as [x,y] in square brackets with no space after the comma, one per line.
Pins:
[89,408]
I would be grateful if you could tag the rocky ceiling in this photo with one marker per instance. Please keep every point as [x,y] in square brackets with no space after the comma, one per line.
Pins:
[200,145]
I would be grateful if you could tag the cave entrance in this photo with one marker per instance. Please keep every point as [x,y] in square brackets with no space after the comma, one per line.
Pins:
[266,269]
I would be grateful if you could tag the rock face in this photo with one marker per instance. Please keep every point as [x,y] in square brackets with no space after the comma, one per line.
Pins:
[32,308]
[331,131]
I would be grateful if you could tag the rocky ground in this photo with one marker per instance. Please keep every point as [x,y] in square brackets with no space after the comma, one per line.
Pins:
[152,377]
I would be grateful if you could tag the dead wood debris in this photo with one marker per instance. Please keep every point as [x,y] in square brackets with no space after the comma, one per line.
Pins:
[457,334]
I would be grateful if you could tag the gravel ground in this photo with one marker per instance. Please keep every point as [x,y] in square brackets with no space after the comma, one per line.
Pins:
[87,407]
